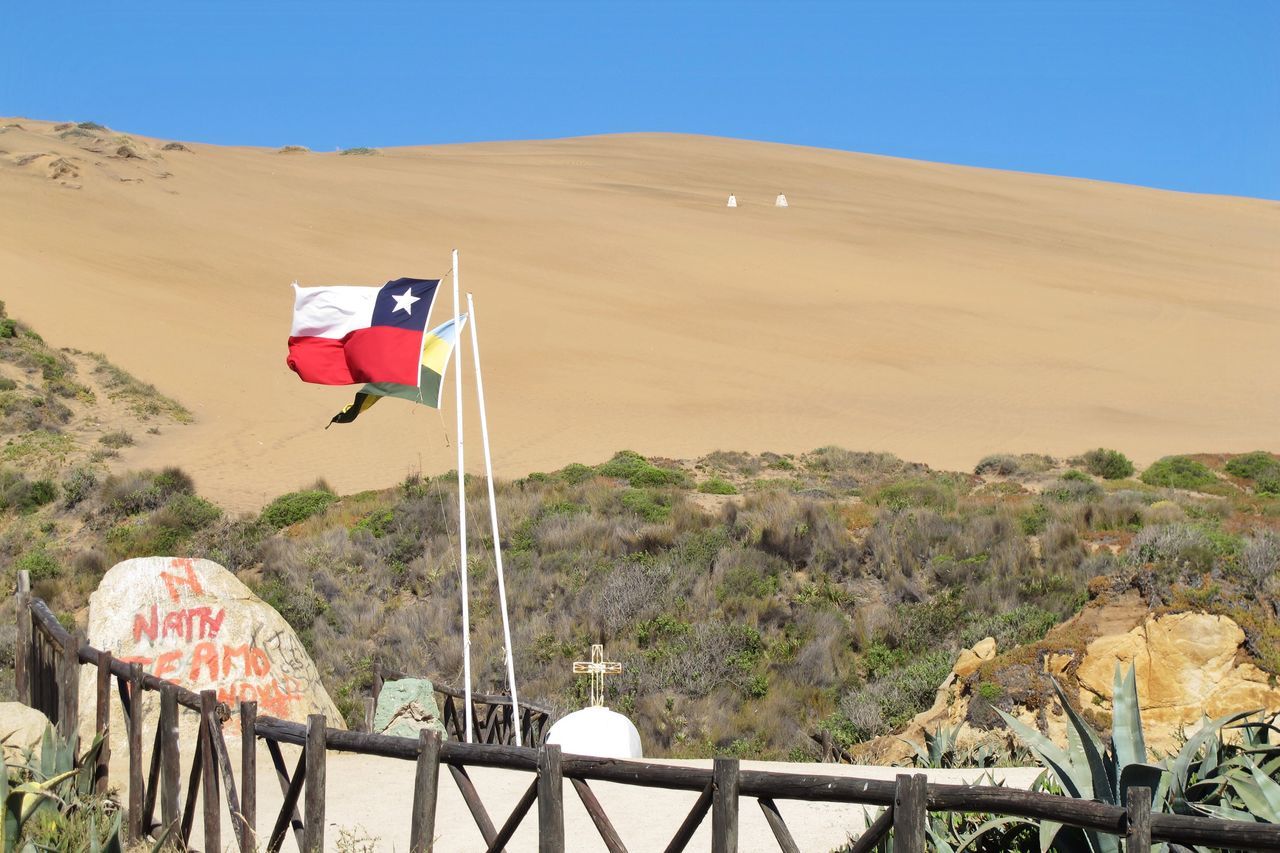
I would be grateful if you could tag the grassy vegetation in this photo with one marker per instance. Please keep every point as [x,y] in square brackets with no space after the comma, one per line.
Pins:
[834,594]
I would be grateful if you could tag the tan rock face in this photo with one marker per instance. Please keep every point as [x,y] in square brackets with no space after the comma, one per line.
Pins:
[1186,665]
[194,623]
[970,659]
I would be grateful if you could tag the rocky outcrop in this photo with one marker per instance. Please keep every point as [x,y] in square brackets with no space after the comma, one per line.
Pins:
[1188,665]
[194,623]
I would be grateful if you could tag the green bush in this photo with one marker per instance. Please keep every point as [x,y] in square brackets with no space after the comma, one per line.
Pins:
[1254,466]
[919,493]
[17,492]
[78,485]
[39,563]
[717,486]
[639,472]
[1267,484]
[647,504]
[1178,472]
[1077,476]
[1035,519]
[1073,489]
[8,328]
[41,493]
[575,473]
[7,384]
[295,506]
[1002,464]
[188,513]
[135,492]
[1108,464]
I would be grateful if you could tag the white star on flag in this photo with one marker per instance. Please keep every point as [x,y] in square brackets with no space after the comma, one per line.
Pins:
[404,302]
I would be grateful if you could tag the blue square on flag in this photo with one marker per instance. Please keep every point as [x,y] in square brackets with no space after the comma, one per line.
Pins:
[405,303]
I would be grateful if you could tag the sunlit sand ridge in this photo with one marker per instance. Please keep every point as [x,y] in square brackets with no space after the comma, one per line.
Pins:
[937,312]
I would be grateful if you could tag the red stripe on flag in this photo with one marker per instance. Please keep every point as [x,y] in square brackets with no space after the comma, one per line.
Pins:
[375,354]
[319,360]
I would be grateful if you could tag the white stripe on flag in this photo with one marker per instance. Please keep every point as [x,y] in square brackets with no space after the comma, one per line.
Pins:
[332,312]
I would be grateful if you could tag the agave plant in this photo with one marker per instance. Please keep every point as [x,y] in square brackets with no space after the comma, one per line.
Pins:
[1088,769]
[972,832]
[20,804]
[942,750]
[1228,770]
[53,807]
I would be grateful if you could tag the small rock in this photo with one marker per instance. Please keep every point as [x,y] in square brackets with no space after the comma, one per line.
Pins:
[175,146]
[405,706]
[21,729]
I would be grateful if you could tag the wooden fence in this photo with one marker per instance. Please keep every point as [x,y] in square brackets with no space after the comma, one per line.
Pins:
[47,673]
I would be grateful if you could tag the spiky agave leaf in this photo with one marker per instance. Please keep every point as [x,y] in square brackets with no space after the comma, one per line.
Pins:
[1075,783]
[1086,743]
[1126,720]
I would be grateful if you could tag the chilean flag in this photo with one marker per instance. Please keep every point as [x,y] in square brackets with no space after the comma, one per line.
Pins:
[346,335]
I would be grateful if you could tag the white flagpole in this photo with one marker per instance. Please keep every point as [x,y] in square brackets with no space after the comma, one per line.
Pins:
[462,514]
[493,519]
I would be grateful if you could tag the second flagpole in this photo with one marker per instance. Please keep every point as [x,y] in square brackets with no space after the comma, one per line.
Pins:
[462,514]
[493,518]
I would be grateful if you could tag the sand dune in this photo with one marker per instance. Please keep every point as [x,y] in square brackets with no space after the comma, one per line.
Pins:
[937,312]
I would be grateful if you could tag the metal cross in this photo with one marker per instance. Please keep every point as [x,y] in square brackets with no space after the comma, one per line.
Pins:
[597,668]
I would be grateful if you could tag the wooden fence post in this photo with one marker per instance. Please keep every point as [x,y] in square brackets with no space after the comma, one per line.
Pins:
[170,761]
[1137,804]
[550,800]
[136,829]
[426,782]
[209,770]
[69,691]
[724,806]
[370,711]
[249,772]
[909,813]
[313,829]
[102,722]
[22,652]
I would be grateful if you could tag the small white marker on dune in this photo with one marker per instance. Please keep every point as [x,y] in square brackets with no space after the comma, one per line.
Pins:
[733,201]
[780,201]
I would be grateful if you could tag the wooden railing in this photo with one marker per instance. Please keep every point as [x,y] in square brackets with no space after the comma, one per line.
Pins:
[47,673]
[490,718]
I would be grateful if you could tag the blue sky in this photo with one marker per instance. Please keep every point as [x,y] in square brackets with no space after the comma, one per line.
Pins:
[1182,95]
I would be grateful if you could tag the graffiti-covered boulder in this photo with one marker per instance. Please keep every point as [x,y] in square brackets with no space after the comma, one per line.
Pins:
[194,623]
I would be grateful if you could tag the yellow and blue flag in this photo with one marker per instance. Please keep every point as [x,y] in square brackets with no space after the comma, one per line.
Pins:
[437,349]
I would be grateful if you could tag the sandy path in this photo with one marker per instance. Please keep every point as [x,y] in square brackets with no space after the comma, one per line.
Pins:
[934,311]
[370,799]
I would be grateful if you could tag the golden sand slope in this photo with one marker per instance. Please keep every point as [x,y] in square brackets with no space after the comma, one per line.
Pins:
[937,312]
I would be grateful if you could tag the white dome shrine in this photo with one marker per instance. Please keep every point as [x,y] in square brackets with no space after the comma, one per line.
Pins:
[597,731]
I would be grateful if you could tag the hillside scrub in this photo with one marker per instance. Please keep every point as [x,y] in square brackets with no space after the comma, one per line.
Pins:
[833,590]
